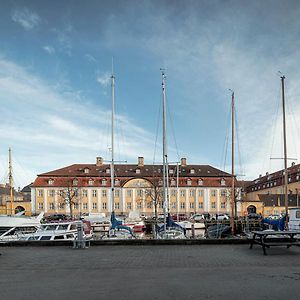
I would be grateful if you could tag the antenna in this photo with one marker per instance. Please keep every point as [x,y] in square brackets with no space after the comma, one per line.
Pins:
[112,66]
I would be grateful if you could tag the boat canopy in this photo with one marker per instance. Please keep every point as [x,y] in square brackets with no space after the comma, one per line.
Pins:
[117,224]
[170,224]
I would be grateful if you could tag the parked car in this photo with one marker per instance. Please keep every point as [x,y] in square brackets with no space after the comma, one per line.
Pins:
[180,217]
[220,217]
[273,217]
[56,217]
[254,216]
[197,217]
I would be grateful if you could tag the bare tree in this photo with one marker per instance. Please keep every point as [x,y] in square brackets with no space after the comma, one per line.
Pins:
[155,192]
[70,194]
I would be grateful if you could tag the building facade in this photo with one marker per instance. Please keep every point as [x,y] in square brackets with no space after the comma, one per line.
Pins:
[87,187]
[19,203]
[265,194]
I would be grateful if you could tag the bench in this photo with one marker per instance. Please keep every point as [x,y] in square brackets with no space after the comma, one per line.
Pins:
[268,238]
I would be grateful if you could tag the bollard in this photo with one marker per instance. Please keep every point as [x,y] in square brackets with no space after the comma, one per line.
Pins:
[80,241]
[193,231]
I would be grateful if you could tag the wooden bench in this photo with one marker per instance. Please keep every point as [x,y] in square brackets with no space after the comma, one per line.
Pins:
[268,238]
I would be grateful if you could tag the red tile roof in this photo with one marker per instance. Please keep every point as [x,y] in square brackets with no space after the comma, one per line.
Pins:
[124,172]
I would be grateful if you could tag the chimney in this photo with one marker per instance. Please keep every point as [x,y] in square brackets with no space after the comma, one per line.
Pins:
[99,161]
[260,176]
[183,162]
[267,173]
[293,163]
[140,161]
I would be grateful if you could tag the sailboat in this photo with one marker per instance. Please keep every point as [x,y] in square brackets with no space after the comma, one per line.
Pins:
[117,229]
[170,229]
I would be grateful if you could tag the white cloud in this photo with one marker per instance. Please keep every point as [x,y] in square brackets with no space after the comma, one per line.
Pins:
[104,79]
[49,49]
[90,58]
[27,19]
[48,129]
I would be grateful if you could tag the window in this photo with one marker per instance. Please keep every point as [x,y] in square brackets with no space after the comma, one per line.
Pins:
[50,181]
[160,204]
[107,171]
[117,193]
[117,205]
[94,205]
[173,193]
[201,193]
[201,205]
[173,204]
[128,205]
[223,193]
[117,182]
[86,170]
[84,193]
[75,205]
[85,206]
[213,205]
[189,182]
[61,205]
[192,193]
[173,182]
[75,181]
[192,205]
[139,193]
[51,193]
[51,205]
[192,171]
[104,193]
[128,193]
[223,204]
[40,193]
[41,205]
[91,182]
[182,193]
[171,171]
[104,182]
[139,205]
[182,205]
[61,192]
[223,182]
[213,193]
[149,204]
[200,182]
[138,171]
[94,193]
[104,205]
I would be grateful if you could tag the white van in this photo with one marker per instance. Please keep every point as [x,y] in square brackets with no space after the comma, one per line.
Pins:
[294,218]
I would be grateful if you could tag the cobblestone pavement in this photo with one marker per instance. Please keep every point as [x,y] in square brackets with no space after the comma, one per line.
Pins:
[149,272]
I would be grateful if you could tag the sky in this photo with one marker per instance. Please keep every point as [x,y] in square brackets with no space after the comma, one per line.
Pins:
[55,94]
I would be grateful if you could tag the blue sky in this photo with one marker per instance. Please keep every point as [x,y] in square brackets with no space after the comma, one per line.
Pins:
[55,63]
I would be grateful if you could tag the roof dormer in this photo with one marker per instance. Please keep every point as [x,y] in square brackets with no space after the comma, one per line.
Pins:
[50,181]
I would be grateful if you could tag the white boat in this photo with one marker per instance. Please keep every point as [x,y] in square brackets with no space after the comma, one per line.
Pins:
[13,228]
[59,231]
[294,218]
[170,229]
[117,230]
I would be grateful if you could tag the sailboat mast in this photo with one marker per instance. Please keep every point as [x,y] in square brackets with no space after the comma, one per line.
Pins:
[165,155]
[232,165]
[285,152]
[112,167]
[10,181]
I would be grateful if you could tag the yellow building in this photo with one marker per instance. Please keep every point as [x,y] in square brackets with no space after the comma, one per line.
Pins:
[265,194]
[19,202]
[201,188]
